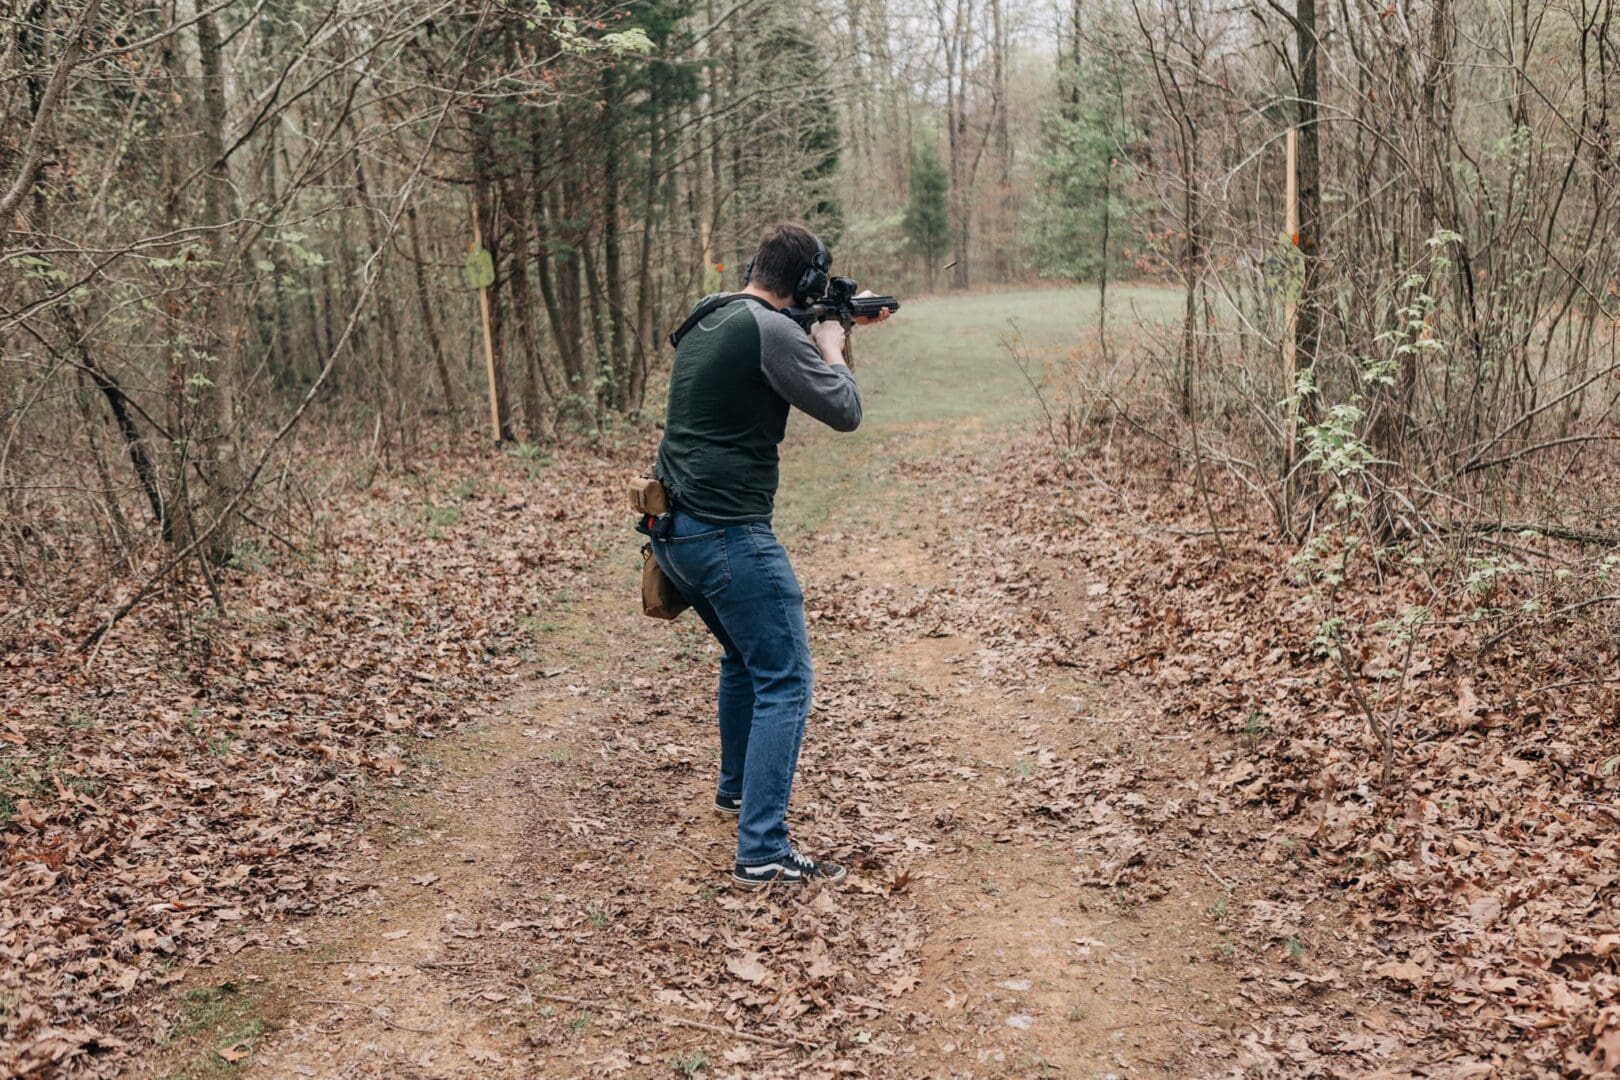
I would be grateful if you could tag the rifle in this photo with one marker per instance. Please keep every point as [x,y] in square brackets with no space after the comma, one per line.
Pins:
[842,304]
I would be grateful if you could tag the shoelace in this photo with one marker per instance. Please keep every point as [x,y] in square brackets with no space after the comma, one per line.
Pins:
[807,865]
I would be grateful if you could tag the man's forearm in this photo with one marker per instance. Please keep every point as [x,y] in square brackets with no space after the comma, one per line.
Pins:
[810,372]
[824,388]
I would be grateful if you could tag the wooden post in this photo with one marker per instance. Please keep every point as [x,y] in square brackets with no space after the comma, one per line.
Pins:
[1290,316]
[489,340]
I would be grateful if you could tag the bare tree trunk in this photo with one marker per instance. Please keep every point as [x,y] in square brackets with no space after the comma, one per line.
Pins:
[109,497]
[644,345]
[1000,235]
[118,404]
[429,326]
[386,352]
[612,257]
[486,193]
[740,243]
[1190,257]
[954,36]
[599,328]
[571,302]
[522,293]
[563,322]
[1102,255]
[1308,320]
[217,429]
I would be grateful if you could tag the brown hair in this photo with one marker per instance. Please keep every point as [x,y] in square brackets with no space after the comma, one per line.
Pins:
[785,250]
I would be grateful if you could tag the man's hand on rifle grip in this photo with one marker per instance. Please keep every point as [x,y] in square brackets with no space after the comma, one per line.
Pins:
[828,334]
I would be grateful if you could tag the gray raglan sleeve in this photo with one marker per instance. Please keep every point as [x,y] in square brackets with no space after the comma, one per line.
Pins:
[794,368]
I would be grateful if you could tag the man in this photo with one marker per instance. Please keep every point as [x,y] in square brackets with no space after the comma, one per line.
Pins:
[738,370]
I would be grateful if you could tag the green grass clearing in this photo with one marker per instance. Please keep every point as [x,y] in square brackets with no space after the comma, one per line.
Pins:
[940,368]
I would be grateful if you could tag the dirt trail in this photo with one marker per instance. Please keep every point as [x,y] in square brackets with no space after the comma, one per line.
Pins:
[1031,966]
[1030,893]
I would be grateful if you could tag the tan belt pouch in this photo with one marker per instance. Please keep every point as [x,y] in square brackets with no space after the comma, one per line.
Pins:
[660,599]
[647,496]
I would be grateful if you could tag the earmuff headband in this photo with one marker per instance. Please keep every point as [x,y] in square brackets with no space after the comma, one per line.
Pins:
[812,282]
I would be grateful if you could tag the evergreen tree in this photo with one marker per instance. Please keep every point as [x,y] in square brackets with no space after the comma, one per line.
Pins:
[927,223]
[1078,191]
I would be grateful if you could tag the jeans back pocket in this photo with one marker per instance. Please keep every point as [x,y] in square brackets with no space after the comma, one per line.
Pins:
[701,560]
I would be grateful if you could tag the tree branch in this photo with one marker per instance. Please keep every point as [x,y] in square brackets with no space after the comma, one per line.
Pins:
[33,153]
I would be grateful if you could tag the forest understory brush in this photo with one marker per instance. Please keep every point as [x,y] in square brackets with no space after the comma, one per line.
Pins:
[1427,702]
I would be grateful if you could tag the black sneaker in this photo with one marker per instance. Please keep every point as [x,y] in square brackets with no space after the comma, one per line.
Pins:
[796,869]
[729,805]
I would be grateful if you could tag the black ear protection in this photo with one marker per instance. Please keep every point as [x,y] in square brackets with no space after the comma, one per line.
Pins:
[813,282]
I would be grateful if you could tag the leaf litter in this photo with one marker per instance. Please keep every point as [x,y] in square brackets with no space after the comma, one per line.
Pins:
[166,801]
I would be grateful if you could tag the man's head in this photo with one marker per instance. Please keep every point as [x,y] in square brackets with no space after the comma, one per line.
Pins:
[786,252]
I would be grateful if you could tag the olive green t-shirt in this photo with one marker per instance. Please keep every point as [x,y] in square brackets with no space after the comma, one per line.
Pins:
[737,373]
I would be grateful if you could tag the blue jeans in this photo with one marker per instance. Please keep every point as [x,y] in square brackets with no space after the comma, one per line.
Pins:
[740,583]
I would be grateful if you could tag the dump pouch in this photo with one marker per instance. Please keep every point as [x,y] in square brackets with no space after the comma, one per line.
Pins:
[660,599]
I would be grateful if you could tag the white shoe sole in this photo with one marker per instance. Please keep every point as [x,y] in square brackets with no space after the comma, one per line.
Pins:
[755,884]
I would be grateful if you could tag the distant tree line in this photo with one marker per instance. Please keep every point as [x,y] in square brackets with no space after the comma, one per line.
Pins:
[1443,308]
[218,219]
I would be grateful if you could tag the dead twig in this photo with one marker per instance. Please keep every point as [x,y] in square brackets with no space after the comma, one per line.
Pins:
[1568,609]
[681,1021]
[1227,885]
[385,962]
[375,1009]
[698,855]
[565,999]
[719,1029]
[1592,680]
[1552,532]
